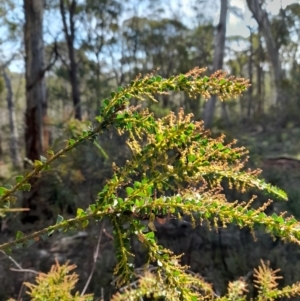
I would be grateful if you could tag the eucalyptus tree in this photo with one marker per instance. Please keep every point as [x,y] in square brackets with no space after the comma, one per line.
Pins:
[10,38]
[218,60]
[68,11]
[36,101]
[36,134]
[101,20]
[262,19]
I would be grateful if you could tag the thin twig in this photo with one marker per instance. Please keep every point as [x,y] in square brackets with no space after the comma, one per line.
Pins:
[25,271]
[107,234]
[22,288]
[19,267]
[95,256]
[48,68]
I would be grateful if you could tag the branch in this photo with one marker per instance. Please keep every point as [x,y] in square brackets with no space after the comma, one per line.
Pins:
[48,68]
[71,20]
[63,16]
[96,253]
[19,267]
[66,224]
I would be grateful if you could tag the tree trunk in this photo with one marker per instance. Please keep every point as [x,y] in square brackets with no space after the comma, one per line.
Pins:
[69,31]
[250,72]
[262,20]
[209,109]
[259,76]
[36,103]
[14,136]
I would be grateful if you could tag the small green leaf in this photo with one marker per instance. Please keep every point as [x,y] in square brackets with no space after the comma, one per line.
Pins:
[159,137]
[19,235]
[150,235]
[7,251]
[129,190]
[220,146]
[37,163]
[158,78]
[92,207]
[25,187]
[120,116]
[205,79]
[47,167]
[50,152]
[81,212]
[137,184]
[262,215]
[71,141]
[149,190]
[182,77]
[19,178]
[280,220]
[84,223]
[139,203]
[59,219]
[105,102]
[191,158]
[2,190]
[151,226]
[50,232]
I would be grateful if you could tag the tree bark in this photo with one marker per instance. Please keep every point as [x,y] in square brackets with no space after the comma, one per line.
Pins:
[260,79]
[262,20]
[250,72]
[69,31]
[36,138]
[220,38]
[14,136]
[36,103]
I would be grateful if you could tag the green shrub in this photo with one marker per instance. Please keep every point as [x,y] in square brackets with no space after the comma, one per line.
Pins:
[56,285]
[176,169]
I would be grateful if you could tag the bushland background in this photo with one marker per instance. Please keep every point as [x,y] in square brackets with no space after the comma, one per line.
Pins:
[61,58]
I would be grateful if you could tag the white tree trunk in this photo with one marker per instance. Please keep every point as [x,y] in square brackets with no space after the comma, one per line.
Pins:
[261,17]
[220,38]
[14,136]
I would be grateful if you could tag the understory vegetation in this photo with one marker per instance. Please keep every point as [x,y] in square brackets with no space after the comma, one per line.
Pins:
[176,171]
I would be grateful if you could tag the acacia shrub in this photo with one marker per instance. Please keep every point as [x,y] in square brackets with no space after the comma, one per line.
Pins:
[176,169]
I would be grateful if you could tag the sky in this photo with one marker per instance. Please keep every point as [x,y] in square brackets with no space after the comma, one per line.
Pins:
[235,26]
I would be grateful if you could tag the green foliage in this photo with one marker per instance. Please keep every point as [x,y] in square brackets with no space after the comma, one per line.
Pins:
[176,169]
[265,280]
[56,285]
